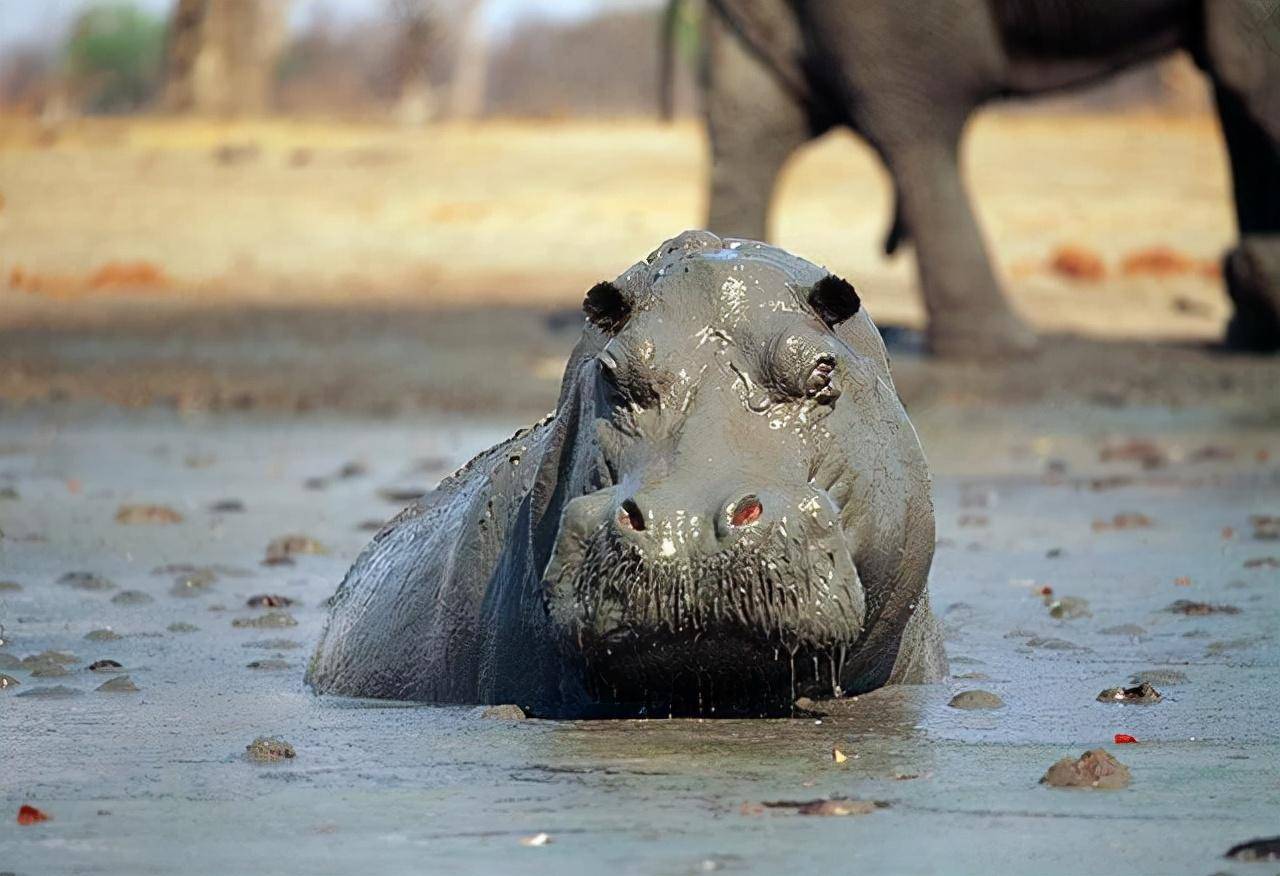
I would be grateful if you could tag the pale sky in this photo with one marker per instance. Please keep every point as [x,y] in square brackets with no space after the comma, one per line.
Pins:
[46,20]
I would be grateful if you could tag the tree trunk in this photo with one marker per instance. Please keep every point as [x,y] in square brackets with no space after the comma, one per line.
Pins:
[222,56]
[470,85]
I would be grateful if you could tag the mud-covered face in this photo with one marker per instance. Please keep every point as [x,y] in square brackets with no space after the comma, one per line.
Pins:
[711,571]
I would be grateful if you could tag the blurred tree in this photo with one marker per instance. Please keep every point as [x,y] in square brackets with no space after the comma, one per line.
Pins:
[113,58]
[416,27]
[222,55]
[469,85]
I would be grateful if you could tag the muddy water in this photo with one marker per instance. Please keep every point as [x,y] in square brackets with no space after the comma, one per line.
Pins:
[156,781]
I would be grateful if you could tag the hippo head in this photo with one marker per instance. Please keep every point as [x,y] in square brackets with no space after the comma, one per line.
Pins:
[709,562]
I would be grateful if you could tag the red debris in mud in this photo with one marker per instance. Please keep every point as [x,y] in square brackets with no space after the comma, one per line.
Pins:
[748,511]
[1077,263]
[31,815]
[1124,738]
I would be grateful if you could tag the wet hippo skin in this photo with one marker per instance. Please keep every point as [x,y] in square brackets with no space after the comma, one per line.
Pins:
[727,510]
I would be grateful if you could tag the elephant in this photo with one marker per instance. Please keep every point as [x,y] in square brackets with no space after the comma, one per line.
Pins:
[906,77]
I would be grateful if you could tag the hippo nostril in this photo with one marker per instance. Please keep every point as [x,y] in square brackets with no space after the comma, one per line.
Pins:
[629,515]
[747,511]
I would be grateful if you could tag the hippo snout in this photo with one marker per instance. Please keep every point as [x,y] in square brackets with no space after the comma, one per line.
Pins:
[768,571]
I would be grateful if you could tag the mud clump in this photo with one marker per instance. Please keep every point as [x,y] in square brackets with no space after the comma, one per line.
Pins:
[269,621]
[1266,849]
[269,665]
[1199,609]
[135,514]
[1124,520]
[1142,693]
[508,712]
[119,684]
[283,550]
[226,506]
[1159,676]
[976,699]
[269,600]
[132,597]
[269,749]
[194,582]
[1068,608]
[181,627]
[106,634]
[1266,527]
[827,808]
[273,644]
[10,587]
[56,692]
[1131,630]
[86,581]
[1142,451]
[106,665]
[1094,769]
[48,670]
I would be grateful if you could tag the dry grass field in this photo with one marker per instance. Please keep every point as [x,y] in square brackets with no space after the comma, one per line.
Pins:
[174,213]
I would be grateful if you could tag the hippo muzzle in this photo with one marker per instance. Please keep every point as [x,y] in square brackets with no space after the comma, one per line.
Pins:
[740,604]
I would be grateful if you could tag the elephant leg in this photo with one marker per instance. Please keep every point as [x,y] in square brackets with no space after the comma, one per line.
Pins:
[1243,56]
[969,317]
[754,124]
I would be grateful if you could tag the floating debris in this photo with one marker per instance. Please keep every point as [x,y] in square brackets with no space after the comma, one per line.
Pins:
[1125,739]
[8,681]
[227,506]
[1095,769]
[10,587]
[182,627]
[538,839]
[106,665]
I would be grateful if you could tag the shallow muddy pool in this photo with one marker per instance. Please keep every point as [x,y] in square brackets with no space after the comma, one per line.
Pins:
[157,781]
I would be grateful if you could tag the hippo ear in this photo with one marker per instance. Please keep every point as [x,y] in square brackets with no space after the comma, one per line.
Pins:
[834,300]
[606,307]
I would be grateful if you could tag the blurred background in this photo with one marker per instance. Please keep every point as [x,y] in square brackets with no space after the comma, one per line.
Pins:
[175,173]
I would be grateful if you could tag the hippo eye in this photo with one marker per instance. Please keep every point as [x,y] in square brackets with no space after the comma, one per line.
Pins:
[819,383]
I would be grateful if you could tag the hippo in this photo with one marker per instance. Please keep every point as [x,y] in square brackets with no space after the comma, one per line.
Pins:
[727,510]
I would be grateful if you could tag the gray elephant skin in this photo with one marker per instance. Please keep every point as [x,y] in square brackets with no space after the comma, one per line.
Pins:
[727,510]
[906,75]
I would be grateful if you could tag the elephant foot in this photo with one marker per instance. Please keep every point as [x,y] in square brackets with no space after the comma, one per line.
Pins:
[987,337]
[1252,273]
